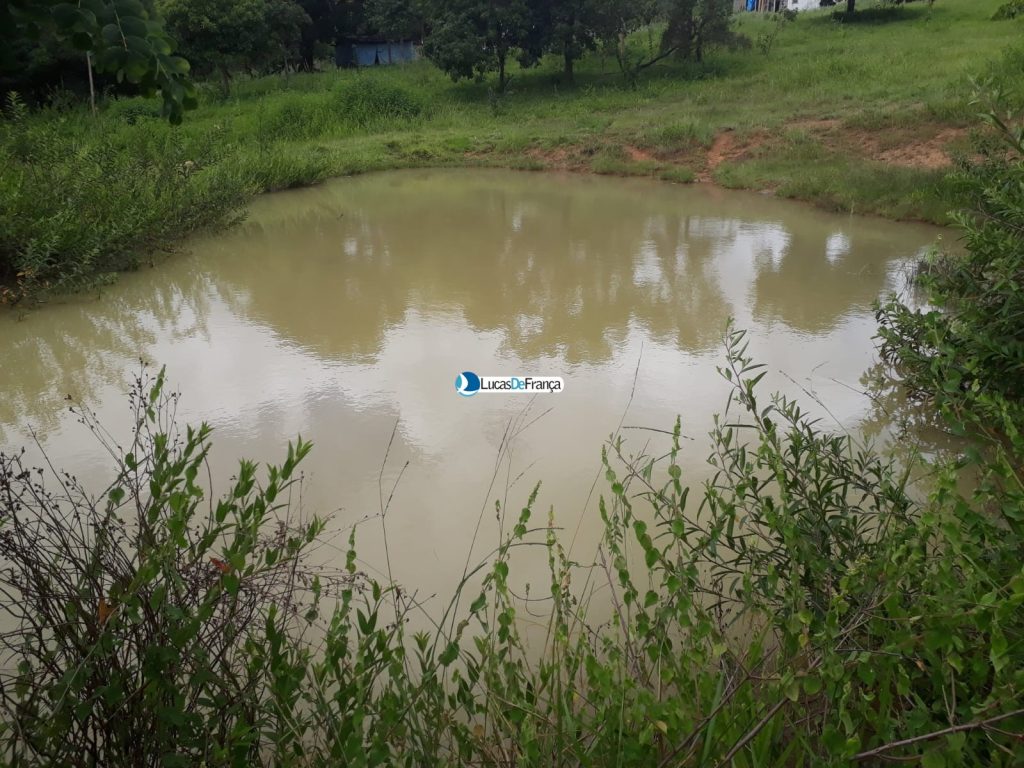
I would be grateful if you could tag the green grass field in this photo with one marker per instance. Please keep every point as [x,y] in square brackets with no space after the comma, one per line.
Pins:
[860,117]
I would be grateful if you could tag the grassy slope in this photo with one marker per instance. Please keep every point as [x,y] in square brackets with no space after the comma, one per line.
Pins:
[813,120]
[818,119]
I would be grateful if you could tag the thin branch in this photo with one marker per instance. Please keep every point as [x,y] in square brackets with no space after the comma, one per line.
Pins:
[877,751]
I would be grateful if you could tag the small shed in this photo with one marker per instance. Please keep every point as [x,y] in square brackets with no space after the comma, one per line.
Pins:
[774,6]
[373,52]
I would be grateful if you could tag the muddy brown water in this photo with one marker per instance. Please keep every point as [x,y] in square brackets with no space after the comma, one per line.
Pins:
[345,311]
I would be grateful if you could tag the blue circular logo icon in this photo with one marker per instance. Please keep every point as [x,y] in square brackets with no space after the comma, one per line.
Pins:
[467,383]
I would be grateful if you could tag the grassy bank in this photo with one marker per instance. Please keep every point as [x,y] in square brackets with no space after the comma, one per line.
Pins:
[861,117]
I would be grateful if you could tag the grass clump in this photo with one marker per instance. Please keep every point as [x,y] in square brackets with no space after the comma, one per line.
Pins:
[370,102]
[1009,10]
[614,161]
[677,174]
[73,210]
[676,137]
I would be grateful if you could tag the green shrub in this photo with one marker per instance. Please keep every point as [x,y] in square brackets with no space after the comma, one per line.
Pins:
[144,617]
[967,354]
[376,102]
[297,116]
[1009,10]
[76,202]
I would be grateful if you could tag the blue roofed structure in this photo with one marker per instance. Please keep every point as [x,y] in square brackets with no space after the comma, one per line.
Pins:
[365,52]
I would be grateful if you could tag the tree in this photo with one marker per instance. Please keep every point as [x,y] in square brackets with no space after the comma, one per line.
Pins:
[468,38]
[574,27]
[221,35]
[285,21]
[216,35]
[122,38]
[616,20]
[394,19]
[324,16]
[693,24]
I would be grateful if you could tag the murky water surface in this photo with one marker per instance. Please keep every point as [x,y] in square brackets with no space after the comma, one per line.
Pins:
[342,311]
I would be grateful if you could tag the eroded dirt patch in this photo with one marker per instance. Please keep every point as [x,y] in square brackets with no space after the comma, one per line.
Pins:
[932,153]
[556,157]
[638,155]
[729,147]
[926,146]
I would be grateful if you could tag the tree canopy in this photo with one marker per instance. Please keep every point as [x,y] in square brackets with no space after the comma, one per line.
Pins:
[221,35]
[123,38]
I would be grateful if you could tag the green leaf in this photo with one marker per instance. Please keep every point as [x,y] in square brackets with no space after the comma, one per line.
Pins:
[812,685]
[231,583]
[65,15]
[998,649]
[449,655]
[82,41]
[792,689]
[651,557]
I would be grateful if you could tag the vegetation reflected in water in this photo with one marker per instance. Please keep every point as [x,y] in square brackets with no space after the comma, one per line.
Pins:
[337,311]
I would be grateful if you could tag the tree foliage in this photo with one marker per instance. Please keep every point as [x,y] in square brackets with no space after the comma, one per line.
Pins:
[469,38]
[693,25]
[124,38]
[573,27]
[394,19]
[219,36]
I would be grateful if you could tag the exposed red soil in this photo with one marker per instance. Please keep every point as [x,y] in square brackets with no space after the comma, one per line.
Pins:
[924,146]
[638,155]
[727,148]
[931,153]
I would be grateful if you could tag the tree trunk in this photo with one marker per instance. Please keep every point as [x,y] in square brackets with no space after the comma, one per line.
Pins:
[92,87]
[225,79]
[849,5]
[307,50]
[501,72]
[567,72]
[620,55]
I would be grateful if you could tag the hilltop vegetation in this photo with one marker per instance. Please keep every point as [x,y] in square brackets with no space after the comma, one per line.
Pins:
[859,117]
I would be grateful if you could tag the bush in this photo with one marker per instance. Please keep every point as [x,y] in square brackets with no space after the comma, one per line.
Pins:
[374,102]
[141,624]
[77,202]
[297,116]
[1009,10]
[966,355]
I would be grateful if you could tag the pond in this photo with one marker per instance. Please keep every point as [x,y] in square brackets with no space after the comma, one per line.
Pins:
[345,312]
